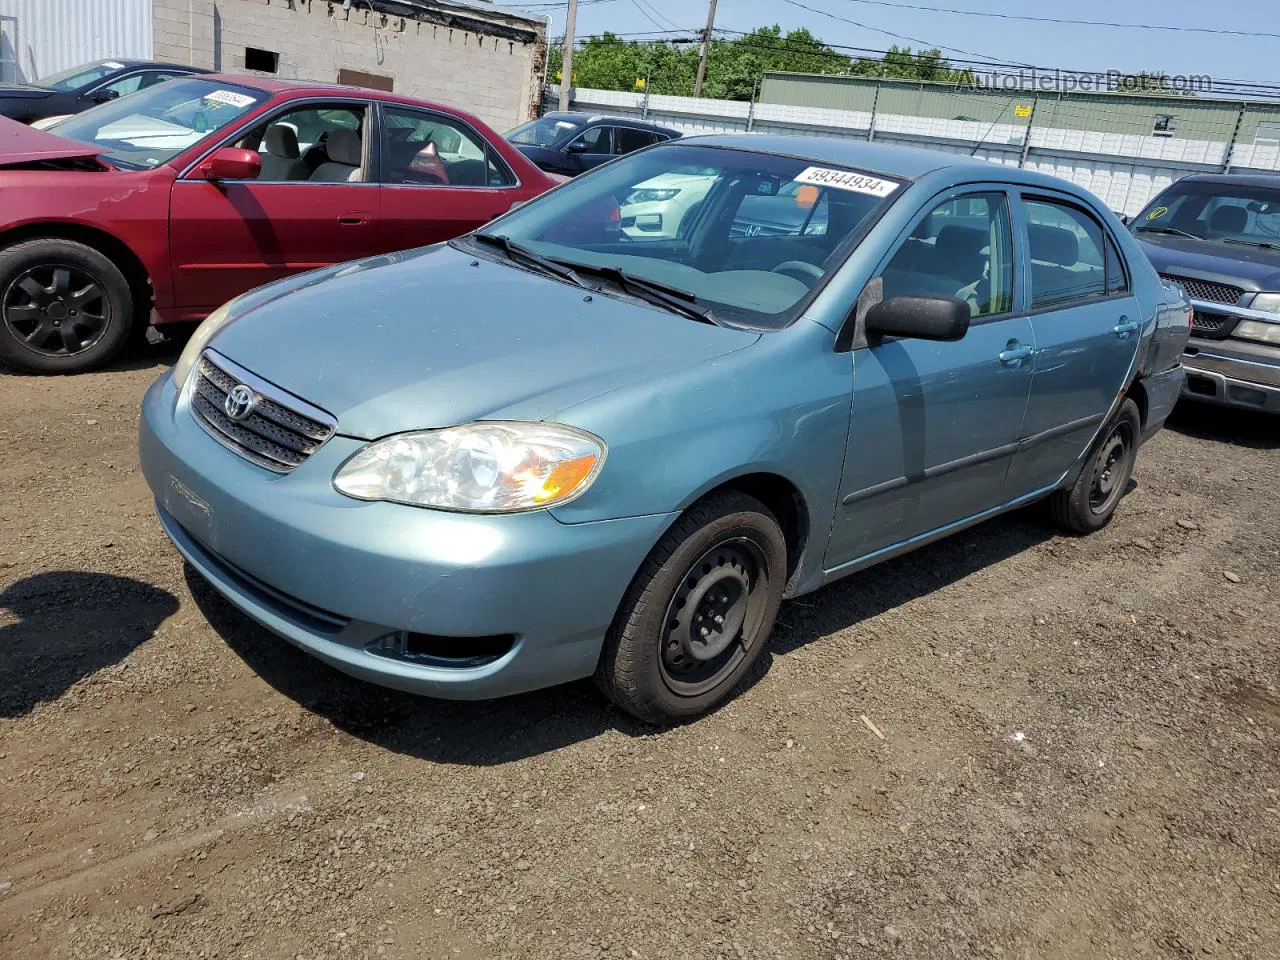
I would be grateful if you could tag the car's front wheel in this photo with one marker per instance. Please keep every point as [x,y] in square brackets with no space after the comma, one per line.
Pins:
[64,307]
[698,613]
[1090,503]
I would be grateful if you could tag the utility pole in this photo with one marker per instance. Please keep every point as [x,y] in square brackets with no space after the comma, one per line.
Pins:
[706,48]
[566,60]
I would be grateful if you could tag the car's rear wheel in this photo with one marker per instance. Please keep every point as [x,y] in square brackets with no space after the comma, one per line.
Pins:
[64,307]
[698,613]
[1090,503]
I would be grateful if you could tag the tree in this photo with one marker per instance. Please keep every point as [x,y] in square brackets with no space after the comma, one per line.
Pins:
[902,64]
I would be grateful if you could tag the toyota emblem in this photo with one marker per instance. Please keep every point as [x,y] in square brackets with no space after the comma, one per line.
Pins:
[239,403]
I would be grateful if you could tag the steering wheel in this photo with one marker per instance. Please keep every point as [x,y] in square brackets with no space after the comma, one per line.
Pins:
[800,270]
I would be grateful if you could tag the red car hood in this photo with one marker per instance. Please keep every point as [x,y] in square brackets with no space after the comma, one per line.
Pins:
[22,144]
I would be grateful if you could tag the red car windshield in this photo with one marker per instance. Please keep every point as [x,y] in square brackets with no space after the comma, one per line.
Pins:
[151,127]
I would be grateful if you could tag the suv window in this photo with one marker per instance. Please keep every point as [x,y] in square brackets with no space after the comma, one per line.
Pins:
[963,248]
[1066,254]
[434,149]
[594,140]
[625,139]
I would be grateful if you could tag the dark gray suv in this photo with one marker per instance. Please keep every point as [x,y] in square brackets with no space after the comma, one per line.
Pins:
[1219,236]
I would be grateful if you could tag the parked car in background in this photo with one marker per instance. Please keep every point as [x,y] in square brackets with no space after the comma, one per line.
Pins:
[555,450]
[188,193]
[80,88]
[568,143]
[1219,236]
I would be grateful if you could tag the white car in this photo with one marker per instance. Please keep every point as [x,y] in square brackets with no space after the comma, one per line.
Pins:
[654,209]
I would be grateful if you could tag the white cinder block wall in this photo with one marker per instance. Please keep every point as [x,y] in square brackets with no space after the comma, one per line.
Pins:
[477,68]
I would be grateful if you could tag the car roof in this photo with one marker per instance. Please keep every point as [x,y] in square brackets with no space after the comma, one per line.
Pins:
[130,64]
[908,162]
[579,116]
[1237,179]
[319,88]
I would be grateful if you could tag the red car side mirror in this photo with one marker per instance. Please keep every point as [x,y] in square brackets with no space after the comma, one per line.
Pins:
[229,163]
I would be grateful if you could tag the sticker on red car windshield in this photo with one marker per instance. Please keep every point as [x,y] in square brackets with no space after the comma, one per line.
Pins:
[229,97]
[847,180]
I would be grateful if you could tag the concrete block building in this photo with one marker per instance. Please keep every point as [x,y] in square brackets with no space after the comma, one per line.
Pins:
[472,55]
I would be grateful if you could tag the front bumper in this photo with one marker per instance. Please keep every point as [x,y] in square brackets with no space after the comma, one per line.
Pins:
[333,575]
[1233,373]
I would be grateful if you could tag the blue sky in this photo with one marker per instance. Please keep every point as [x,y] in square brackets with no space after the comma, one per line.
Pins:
[1250,58]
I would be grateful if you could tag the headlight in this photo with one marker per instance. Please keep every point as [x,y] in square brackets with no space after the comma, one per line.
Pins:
[1266,302]
[649,196]
[199,340]
[1257,330]
[484,467]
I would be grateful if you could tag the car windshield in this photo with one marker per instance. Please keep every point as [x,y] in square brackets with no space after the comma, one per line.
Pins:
[153,126]
[80,76]
[745,237]
[542,132]
[1229,213]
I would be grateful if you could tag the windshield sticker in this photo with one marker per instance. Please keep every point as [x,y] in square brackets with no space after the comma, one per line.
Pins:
[113,65]
[229,97]
[845,180]
[1157,213]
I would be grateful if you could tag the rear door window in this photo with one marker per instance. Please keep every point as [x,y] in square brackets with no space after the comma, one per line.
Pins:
[1066,246]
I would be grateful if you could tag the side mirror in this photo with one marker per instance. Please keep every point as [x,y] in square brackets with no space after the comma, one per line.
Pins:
[103,96]
[1125,218]
[576,147]
[229,163]
[921,318]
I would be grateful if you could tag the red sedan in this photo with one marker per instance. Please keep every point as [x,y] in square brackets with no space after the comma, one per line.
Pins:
[182,196]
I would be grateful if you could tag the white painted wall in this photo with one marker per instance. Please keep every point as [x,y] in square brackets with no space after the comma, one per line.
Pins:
[40,37]
[1124,171]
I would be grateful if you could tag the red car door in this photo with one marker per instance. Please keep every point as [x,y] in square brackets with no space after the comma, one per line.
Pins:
[439,176]
[314,204]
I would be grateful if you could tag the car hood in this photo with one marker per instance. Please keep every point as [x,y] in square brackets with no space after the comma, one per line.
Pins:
[436,337]
[9,90]
[1256,266]
[20,143]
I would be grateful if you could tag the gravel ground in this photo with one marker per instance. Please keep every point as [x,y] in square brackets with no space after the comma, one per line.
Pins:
[1078,758]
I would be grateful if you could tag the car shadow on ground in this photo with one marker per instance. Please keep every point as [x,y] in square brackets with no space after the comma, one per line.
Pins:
[500,731]
[1243,428]
[70,624]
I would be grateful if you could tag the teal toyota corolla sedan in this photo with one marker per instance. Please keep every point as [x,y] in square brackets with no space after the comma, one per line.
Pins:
[557,448]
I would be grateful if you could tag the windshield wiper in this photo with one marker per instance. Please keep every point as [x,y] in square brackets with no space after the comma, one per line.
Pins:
[656,292]
[1174,231]
[1250,243]
[530,258]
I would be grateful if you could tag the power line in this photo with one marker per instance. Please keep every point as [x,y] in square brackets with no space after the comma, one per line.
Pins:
[898,36]
[1065,20]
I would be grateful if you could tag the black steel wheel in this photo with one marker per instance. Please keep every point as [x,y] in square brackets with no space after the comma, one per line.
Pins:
[714,617]
[64,306]
[1090,503]
[698,613]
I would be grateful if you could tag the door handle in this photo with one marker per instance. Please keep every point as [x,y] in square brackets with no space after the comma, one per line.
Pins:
[353,219]
[1125,328]
[1015,353]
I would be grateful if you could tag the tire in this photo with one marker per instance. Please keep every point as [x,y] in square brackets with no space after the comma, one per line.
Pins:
[725,557]
[64,307]
[1090,503]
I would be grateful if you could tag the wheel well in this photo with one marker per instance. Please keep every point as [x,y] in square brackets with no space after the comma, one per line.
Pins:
[785,502]
[109,246]
[1138,394]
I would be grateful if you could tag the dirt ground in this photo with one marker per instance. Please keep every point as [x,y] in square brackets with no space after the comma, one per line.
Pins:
[1079,757]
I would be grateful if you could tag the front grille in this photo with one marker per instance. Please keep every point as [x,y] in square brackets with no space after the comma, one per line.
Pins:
[1208,322]
[279,434]
[1207,289]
